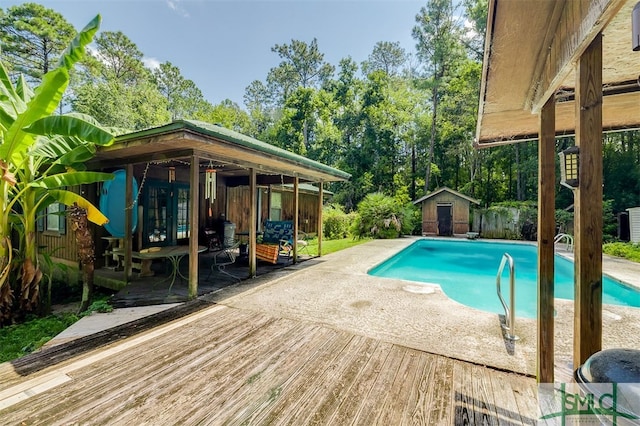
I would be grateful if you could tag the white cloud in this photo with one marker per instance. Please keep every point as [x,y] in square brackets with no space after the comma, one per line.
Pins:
[177,7]
[151,63]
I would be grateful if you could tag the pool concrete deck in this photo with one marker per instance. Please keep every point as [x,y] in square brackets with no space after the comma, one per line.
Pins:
[335,290]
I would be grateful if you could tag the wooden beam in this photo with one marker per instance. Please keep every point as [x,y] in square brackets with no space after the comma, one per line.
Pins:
[194,224]
[580,23]
[253,216]
[588,206]
[296,208]
[320,205]
[546,235]
[128,222]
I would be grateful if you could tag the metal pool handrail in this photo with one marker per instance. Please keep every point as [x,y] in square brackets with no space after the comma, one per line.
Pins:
[509,313]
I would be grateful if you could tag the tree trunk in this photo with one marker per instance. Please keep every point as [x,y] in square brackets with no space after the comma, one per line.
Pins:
[432,141]
[86,252]
[413,170]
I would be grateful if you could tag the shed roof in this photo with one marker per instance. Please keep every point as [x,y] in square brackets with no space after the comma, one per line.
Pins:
[232,153]
[530,53]
[449,190]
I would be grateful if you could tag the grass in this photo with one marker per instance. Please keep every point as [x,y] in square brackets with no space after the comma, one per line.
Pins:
[330,246]
[629,251]
[21,339]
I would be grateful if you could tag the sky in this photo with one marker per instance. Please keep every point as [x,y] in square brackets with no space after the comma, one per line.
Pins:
[224,45]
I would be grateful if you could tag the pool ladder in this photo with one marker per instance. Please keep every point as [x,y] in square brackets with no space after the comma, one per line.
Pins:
[509,312]
[568,239]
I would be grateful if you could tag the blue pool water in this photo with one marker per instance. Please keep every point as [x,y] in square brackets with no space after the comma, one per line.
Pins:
[466,271]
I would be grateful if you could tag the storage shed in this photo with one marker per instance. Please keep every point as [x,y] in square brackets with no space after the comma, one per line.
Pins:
[634,224]
[445,212]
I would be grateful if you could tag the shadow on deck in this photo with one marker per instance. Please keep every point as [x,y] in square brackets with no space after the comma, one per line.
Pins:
[154,290]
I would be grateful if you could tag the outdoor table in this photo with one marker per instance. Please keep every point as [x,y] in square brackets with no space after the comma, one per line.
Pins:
[174,254]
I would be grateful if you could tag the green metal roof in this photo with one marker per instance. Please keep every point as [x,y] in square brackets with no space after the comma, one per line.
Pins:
[227,135]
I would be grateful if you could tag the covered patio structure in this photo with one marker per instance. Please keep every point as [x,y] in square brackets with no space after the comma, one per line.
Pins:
[182,171]
[559,68]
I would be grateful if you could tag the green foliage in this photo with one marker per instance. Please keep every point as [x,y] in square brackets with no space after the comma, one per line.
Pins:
[629,251]
[379,216]
[22,339]
[609,222]
[331,246]
[564,221]
[100,305]
[335,222]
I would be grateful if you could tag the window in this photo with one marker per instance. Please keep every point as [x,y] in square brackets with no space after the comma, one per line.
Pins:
[276,206]
[54,219]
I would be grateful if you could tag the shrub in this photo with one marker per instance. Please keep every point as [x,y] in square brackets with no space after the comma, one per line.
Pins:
[628,251]
[380,216]
[335,222]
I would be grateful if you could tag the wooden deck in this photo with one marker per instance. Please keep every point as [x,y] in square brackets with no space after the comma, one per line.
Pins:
[234,366]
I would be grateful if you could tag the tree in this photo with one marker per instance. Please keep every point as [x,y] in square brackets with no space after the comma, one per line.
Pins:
[33,38]
[184,99]
[387,57]
[302,66]
[117,57]
[438,47]
[41,154]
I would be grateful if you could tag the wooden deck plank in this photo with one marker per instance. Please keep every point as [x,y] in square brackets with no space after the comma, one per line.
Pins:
[265,387]
[301,380]
[206,385]
[376,398]
[415,411]
[505,397]
[360,388]
[239,367]
[439,397]
[403,383]
[258,380]
[327,383]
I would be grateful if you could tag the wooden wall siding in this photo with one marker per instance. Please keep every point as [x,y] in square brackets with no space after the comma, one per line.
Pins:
[430,213]
[238,208]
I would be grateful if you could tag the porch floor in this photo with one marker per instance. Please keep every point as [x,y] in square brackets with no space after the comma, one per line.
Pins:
[154,290]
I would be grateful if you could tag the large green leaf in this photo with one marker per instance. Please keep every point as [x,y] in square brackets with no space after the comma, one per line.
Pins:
[23,89]
[67,125]
[47,96]
[71,179]
[79,154]
[68,198]
[76,49]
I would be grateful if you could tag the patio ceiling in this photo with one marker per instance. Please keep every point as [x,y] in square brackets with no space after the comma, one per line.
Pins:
[232,154]
[530,54]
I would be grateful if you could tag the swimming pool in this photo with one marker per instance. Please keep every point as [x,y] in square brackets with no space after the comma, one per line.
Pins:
[466,271]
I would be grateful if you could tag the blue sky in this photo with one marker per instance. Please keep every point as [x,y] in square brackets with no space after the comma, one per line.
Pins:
[223,45]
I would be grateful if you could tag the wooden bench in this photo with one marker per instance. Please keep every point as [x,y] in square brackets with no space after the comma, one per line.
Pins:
[472,235]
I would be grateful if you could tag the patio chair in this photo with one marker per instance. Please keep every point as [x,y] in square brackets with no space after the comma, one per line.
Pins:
[276,245]
[223,257]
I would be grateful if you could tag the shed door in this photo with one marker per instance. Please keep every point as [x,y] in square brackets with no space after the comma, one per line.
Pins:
[445,219]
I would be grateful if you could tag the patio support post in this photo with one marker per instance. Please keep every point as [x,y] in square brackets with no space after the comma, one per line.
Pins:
[320,199]
[296,208]
[546,236]
[587,330]
[194,224]
[253,217]
[128,221]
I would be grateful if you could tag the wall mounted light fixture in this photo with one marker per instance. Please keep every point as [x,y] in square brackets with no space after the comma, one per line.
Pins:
[569,167]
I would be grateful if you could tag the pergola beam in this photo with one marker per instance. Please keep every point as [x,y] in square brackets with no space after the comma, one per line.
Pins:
[588,206]
[580,22]
[546,250]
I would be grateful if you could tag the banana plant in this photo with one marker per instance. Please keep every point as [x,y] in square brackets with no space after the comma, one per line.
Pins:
[40,154]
